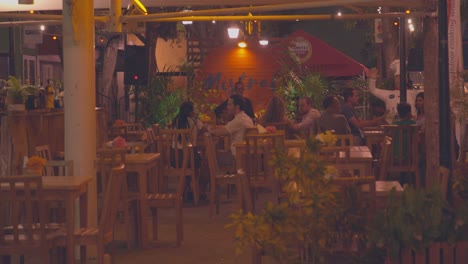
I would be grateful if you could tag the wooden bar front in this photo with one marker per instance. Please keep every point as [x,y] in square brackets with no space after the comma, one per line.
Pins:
[22,131]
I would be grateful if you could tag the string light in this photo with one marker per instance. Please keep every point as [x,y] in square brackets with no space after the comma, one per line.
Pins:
[242,44]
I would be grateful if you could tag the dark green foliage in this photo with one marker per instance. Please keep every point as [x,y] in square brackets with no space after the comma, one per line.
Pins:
[158,104]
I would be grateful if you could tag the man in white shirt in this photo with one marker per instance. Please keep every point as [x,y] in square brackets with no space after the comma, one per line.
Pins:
[236,127]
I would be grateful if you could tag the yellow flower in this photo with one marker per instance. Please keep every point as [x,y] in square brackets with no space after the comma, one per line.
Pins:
[205,118]
[35,163]
[328,138]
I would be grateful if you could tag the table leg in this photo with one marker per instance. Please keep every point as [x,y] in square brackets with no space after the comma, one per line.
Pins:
[70,228]
[83,223]
[143,210]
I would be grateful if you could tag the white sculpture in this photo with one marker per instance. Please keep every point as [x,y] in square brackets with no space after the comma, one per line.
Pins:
[392,97]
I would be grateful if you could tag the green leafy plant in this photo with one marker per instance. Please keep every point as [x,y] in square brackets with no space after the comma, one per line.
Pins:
[416,219]
[15,91]
[205,100]
[158,104]
[303,227]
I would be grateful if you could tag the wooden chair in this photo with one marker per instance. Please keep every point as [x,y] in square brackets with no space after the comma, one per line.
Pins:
[253,159]
[350,169]
[103,234]
[116,131]
[168,200]
[173,144]
[358,192]
[404,153]
[58,168]
[134,127]
[150,140]
[55,210]
[23,224]
[335,155]
[43,151]
[380,165]
[218,178]
[108,158]
[344,140]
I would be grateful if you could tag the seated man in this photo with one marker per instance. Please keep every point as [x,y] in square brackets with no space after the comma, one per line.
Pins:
[221,111]
[331,118]
[351,100]
[236,127]
[309,114]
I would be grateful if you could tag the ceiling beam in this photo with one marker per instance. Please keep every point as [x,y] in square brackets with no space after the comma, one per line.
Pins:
[247,18]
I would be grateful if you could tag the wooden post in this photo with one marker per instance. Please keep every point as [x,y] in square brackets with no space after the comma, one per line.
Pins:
[431,99]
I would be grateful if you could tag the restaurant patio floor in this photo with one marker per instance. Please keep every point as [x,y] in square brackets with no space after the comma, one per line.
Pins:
[205,240]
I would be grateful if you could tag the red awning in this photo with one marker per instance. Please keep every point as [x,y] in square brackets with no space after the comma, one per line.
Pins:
[317,56]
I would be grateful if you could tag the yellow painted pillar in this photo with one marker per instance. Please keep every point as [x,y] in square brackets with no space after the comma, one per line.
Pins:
[115,25]
[80,101]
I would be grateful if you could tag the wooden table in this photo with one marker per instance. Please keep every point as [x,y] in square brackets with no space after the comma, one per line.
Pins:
[146,167]
[66,189]
[362,155]
[373,140]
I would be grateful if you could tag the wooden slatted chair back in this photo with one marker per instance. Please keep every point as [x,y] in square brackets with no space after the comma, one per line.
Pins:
[254,160]
[118,131]
[22,225]
[107,158]
[404,153]
[134,127]
[351,169]
[384,157]
[112,194]
[335,155]
[43,151]
[344,140]
[58,168]
[150,140]
[175,147]
[365,188]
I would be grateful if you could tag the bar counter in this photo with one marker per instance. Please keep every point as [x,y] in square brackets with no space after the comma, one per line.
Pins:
[22,131]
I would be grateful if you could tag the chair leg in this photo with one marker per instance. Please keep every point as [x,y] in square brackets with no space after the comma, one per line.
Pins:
[212,197]
[240,193]
[217,198]
[127,225]
[417,178]
[179,223]
[100,253]
[83,255]
[196,189]
[154,212]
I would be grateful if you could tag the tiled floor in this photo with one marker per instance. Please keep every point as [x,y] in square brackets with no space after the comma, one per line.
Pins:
[205,240]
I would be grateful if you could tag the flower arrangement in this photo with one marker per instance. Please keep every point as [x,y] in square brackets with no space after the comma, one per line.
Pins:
[327,138]
[270,129]
[119,142]
[35,164]
[205,118]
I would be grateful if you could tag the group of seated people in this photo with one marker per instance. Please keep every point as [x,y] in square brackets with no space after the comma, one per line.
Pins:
[340,118]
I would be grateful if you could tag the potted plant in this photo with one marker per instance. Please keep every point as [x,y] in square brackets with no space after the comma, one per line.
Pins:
[307,224]
[419,224]
[16,93]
